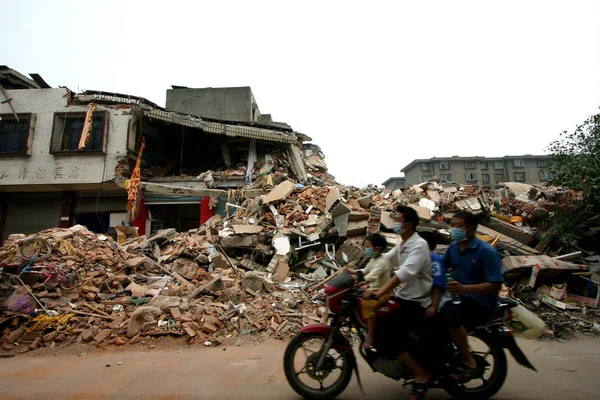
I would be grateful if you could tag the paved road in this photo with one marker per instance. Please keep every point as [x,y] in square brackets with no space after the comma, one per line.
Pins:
[566,370]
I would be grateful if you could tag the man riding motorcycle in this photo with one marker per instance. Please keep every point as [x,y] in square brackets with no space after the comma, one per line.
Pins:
[411,266]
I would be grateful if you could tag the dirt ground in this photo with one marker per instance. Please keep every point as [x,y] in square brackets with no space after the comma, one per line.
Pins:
[254,371]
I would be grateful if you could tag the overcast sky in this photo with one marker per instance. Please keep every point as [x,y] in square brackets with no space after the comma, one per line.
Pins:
[375,84]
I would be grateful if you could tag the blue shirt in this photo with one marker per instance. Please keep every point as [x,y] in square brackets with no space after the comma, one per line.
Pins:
[478,263]
[439,270]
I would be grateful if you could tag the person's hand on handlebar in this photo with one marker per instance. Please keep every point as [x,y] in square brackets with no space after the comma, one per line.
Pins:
[369,294]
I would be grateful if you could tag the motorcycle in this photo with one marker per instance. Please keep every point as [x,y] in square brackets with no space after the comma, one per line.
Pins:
[320,359]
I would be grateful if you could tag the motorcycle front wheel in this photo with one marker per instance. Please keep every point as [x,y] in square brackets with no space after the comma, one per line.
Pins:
[300,366]
[491,360]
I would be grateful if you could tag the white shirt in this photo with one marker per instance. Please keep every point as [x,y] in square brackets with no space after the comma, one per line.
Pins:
[377,273]
[411,263]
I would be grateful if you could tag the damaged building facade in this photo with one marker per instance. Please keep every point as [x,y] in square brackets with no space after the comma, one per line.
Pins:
[68,158]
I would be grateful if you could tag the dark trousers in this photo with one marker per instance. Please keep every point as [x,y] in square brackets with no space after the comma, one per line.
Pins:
[392,331]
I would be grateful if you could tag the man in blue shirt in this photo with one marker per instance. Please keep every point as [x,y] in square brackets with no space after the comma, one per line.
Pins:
[476,269]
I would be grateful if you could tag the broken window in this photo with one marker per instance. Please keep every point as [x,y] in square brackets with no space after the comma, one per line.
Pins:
[520,176]
[471,176]
[484,165]
[485,178]
[444,165]
[15,135]
[542,163]
[425,167]
[545,176]
[499,177]
[519,163]
[67,129]
[446,177]
[498,165]
[470,164]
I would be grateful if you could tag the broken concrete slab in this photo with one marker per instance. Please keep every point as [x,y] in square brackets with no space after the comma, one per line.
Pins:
[365,202]
[280,192]
[87,335]
[357,228]
[239,241]
[102,335]
[355,216]
[423,212]
[281,271]
[247,229]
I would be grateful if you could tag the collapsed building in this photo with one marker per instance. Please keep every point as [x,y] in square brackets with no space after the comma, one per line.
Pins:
[67,156]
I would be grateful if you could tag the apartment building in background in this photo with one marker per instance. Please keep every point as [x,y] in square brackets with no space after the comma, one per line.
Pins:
[483,172]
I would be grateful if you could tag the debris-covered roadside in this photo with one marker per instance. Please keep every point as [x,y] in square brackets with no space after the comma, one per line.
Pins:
[123,296]
[255,271]
[563,293]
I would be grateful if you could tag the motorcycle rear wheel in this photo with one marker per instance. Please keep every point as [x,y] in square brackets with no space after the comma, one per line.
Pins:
[301,373]
[489,384]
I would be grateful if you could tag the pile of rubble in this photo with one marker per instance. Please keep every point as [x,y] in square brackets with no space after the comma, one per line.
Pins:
[565,294]
[255,271]
[122,296]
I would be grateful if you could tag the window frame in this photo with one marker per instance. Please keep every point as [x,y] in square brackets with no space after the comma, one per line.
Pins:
[542,163]
[519,163]
[446,177]
[520,180]
[55,149]
[470,162]
[444,165]
[473,174]
[425,166]
[31,122]
[426,178]
[499,162]
[501,178]
[484,165]
[548,176]
[483,178]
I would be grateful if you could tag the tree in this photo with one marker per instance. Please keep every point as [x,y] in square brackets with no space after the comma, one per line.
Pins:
[575,164]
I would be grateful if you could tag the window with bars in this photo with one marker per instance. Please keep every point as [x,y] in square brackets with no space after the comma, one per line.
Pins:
[499,177]
[520,177]
[68,128]
[15,135]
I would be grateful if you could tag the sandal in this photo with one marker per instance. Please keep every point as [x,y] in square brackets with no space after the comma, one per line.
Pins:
[419,390]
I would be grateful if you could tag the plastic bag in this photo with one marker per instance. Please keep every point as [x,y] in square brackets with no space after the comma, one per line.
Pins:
[525,323]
